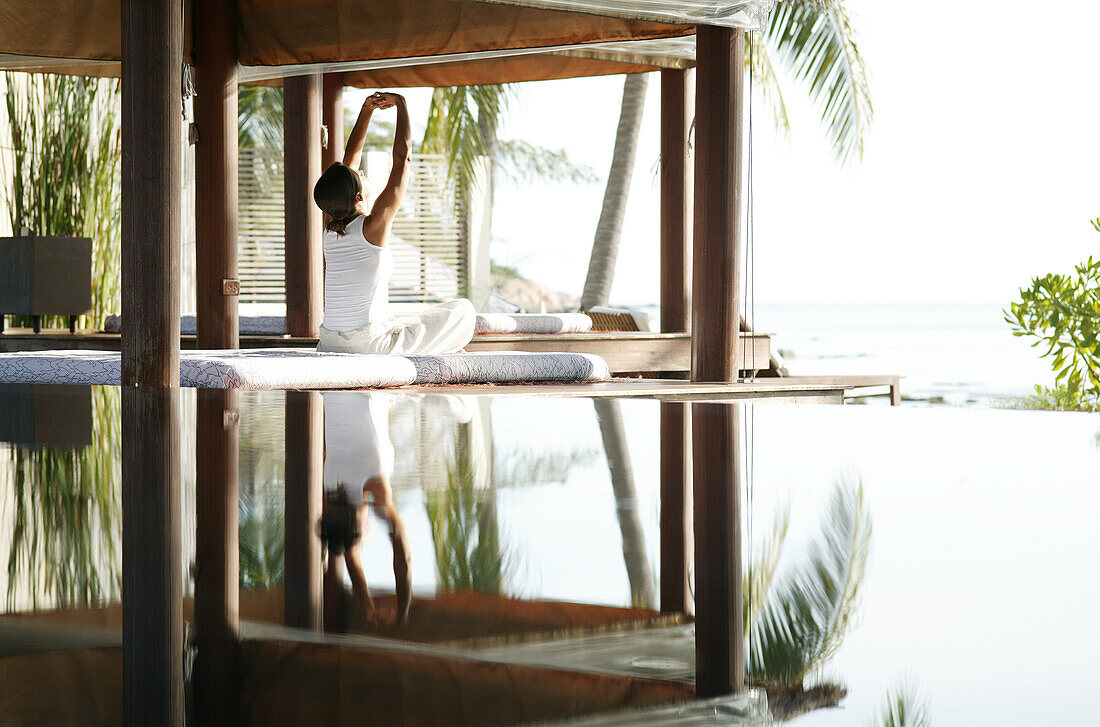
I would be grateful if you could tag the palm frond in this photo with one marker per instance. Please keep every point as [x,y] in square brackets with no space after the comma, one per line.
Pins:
[522,161]
[765,75]
[453,130]
[815,41]
[810,611]
[260,117]
[903,707]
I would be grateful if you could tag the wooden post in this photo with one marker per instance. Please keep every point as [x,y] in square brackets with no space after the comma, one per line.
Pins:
[152,37]
[305,440]
[152,623]
[676,113]
[716,288]
[676,509]
[302,253]
[332,116]
[217,557]
[152,619]
[719,631]
[216,173]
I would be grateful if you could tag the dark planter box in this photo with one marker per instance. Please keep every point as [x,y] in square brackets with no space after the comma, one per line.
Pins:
[46,415]
[45,276]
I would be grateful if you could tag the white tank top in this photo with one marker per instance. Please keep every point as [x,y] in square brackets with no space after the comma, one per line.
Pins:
[357,279]
[357,441]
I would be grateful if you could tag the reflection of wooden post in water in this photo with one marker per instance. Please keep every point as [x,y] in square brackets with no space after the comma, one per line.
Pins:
[676,541]
[719,630]
[217,556]
[305,436]
[638,573]
[152,622]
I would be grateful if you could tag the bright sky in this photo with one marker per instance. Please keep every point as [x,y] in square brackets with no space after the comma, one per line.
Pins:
[980,171]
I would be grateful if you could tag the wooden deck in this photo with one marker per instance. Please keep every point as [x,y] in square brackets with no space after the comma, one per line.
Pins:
[625,352]
[663,389]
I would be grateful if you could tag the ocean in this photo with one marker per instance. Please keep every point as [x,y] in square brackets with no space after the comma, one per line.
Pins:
[962,355]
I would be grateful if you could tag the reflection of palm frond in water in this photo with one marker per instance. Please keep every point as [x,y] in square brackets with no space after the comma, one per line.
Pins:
[520,467]
[262,540]
[903,707]
[465,530]
[799,622]
[262,487]
[66,511]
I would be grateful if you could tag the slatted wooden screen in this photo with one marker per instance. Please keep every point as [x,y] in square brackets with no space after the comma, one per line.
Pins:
[428,242]
[260,226]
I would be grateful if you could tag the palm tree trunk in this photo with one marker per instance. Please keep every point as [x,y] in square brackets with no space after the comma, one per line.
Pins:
[605,246]
[638,573]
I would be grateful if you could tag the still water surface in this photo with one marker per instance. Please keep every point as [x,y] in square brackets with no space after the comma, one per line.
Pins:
[980,583]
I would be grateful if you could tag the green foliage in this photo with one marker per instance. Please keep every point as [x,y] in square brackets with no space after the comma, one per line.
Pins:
[468,553]
[525,162]
[815,42]
[1058,398]
[262,540]
[1062,314]
[66,176]
[803,618]
[66,515]
[505,271]
[903,707]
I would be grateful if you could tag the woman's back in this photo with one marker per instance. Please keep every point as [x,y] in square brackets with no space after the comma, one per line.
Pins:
[357,276]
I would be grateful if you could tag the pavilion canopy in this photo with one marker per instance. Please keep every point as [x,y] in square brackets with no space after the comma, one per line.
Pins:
[452,42]
[747,14]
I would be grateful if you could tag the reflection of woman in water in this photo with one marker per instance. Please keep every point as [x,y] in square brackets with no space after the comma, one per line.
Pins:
[358,260]
[358,462]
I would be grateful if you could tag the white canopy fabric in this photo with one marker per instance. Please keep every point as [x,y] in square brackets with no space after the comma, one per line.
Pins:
[747,14]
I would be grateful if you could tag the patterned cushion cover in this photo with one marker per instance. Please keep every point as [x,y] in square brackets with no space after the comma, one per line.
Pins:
[247,325]
[491,367]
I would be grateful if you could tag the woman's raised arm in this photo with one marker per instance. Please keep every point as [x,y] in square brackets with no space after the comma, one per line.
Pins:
[353,152]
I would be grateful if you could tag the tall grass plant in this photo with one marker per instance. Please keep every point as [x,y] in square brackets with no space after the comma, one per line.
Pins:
[63,174]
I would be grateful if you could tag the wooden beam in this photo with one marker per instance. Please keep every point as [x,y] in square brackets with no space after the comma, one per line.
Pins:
[676,510]
[152,618]
[716,287]
[676,114]
[332,116]
[152,42]
[302,254]
[305,441]
[217,557]
[719,631]
[215,40]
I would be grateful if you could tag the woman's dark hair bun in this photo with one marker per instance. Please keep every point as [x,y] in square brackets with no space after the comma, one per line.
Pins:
[335,194]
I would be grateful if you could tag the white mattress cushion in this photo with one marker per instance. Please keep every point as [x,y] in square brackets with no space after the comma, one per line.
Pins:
[296,368]
[492,367]
[292,368]
[532,323]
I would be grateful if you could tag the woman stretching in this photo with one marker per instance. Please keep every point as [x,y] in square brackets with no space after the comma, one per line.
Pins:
[358,261]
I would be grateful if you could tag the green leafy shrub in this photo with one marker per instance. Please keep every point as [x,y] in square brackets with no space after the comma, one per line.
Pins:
[1062,314]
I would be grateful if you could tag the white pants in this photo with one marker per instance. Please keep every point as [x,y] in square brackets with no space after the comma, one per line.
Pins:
[444,328]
